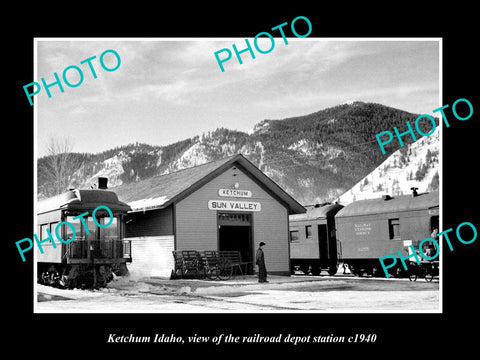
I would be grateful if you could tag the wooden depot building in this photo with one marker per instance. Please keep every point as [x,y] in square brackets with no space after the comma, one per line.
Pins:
[227,204]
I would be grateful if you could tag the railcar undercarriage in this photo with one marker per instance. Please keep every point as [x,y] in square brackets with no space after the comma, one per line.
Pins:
[83,276]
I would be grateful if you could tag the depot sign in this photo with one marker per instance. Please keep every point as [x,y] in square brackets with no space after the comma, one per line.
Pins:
[229,205]
[235,193]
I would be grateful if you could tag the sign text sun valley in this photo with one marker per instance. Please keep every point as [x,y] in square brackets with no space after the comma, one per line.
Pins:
[231,205]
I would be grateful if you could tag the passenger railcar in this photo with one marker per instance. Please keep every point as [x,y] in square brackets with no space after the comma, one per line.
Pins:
[358,234]
[370,229]
[90,259]
[313,242]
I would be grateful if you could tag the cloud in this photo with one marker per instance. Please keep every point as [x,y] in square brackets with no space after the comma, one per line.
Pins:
[173,79]
[176,92]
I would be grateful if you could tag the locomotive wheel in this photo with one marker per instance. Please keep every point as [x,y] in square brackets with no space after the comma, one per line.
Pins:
[332,270]
[64,282]
[375,272]
[305,269]
[352,269]
[428,277]
[103,275]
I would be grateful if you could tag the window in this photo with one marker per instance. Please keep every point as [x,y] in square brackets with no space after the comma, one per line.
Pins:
[308,231]
[294,236]
[47,240]
[394,228]
[43,232]
[111,231]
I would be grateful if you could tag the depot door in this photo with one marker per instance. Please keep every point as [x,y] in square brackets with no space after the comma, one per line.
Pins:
[235,234]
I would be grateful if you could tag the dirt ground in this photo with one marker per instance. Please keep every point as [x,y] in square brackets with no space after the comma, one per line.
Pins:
[245,294]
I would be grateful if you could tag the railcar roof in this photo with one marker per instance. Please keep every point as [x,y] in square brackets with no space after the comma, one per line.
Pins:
[320,211]
[83,200]
[394,204]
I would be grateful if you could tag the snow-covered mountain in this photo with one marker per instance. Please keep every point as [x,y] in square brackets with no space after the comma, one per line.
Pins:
[416,165]
[316,157]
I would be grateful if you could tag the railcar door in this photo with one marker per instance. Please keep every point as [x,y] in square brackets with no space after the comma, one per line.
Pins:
[323,242]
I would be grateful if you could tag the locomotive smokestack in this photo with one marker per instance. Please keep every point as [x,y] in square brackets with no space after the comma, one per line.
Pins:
[102,183]
[414,191]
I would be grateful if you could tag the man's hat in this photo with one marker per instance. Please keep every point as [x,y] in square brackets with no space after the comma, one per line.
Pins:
[262,243]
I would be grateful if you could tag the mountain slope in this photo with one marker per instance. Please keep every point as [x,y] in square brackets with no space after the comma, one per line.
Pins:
[414,166]
[315,157]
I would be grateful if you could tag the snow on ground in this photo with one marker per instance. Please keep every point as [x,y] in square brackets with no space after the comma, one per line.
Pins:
[396,176]
[282,294]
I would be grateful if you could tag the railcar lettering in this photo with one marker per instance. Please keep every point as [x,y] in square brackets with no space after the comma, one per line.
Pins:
[362,229]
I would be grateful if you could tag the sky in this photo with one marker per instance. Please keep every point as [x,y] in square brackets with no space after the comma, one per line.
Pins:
[166,90]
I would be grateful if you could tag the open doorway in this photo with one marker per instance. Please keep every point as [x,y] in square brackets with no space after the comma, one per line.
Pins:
[323,242]
[235,234]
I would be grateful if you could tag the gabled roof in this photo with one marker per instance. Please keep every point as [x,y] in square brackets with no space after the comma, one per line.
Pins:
[161,191]
[399,203]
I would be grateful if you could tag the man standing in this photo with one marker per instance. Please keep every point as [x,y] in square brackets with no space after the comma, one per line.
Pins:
[260,261]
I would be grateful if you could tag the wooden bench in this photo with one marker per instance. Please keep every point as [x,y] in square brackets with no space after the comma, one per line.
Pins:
[188,262]
[235,260]
[210,263]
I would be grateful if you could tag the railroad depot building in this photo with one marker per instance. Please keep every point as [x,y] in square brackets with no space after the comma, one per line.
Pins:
[227,204]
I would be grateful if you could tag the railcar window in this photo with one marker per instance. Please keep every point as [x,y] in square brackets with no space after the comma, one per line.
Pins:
[308,231]
[394,228]
[110,232]
[294,236]
[79,232]
[53,226]
[43,231]
[434,226]
[92,228]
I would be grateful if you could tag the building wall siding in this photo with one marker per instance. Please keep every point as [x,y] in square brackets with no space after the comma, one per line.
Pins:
[197,229]
[152,256]
[151,223]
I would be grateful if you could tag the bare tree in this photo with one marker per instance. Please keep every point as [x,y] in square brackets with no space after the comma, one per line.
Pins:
[60,163]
